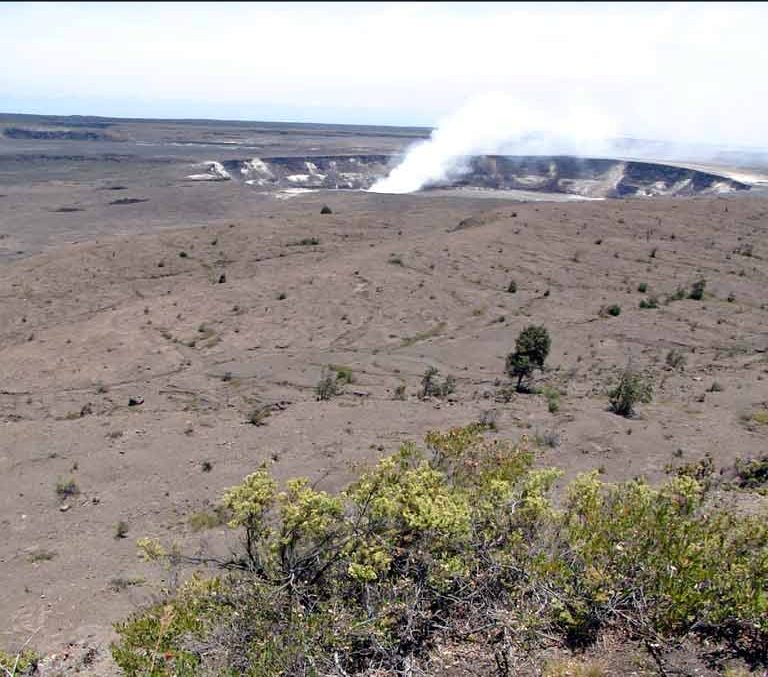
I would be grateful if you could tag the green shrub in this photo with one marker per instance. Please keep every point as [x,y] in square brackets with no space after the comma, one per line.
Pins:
[305,242]
[642,287]
[458,536]
[676,359]
[614,310]
[343,374]
[632,388]
[66,487]
[752,473]
[553,399]
[650,303]
[432,387]
[121,529]
[531,351]
[328,385]
[697,290]
[22,663]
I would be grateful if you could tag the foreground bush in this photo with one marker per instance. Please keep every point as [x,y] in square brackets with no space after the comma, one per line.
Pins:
[458,540]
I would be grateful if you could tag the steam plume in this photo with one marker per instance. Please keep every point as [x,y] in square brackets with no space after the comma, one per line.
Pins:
[497,123]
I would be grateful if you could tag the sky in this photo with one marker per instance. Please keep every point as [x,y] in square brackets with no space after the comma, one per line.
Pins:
[690,72]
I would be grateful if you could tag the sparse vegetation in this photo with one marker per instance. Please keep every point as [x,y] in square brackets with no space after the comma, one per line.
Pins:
[329,384]
[67,487]
[531,351]
[343,374]
[120,583]
[613,310]
[553,399]
[400,392]
[424,335]
[697,290]
[431,386]
[208,519]
[676,359]
[121,529]
[18,664]
[305,242]
[259,415]
[633,388]
[458,537]
[649,303]
[41,555]
[512,288]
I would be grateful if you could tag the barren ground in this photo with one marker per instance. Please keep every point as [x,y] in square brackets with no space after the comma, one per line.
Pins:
[100,306]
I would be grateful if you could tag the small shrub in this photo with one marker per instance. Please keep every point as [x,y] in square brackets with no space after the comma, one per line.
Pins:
[702,470]
[395,259]
[752,473]
[328,385]
[488,420]
[632,388]
[697,290]
[119,583]
[206,466]
[553,399]
[614,310]
[642,287]
[22,663]
[326,210]
[305,242]
[432,387]
[208,519]
[649,303]
[66,488]
[715,387]
[678,295]
[400,392]
[259,415]
[183,255]
[548,438]
[282,296]
[343,374]
[512,288]
[41,556]
[676,359]
[121,529]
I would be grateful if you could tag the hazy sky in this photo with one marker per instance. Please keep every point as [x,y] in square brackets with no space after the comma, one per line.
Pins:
[688,71]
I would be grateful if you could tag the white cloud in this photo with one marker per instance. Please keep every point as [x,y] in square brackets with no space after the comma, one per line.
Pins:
[694,72]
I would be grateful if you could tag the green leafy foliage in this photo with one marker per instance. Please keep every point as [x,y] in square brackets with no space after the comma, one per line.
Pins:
[22,663]
[459,536]
[531,351]
[633,387]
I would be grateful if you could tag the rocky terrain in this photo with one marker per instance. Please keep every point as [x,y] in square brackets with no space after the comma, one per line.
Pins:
[162,337]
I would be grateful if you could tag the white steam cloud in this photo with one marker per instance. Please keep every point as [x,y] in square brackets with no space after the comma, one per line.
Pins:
[498,123]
